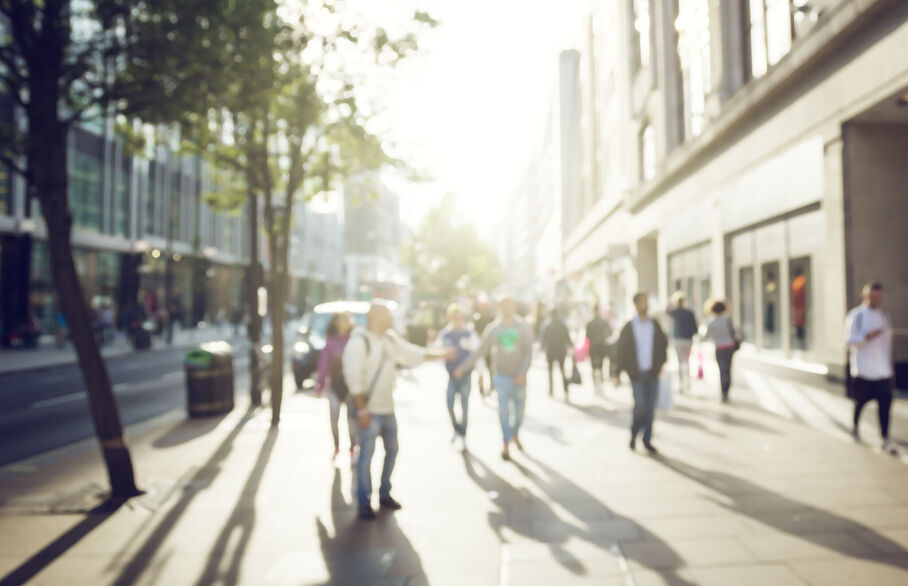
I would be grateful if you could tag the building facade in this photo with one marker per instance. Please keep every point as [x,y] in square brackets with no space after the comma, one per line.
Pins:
[747,149]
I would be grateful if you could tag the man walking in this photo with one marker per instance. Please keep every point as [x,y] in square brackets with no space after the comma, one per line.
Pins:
[684,328]
[556,341]
[641,354]
[511,341]
[460,336]
[598,332]
[869,338]
[369,362]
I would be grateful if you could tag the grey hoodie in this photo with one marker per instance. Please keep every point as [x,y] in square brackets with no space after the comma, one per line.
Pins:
[512,345]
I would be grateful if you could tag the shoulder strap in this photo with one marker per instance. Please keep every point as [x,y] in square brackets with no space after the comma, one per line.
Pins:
[381,366]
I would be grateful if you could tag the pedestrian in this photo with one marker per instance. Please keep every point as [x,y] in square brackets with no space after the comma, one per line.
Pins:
[869,337]
[641,353]
[458,334]
[598,333]
[510,340]
[330,374]
[556,342]
[684,328]
[369,367]
[722,332]
[481,320]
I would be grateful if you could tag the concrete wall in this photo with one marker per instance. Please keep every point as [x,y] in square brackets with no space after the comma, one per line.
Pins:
[876,214]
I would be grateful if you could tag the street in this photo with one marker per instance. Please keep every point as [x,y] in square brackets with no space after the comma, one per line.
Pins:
[44,409]
[738,495]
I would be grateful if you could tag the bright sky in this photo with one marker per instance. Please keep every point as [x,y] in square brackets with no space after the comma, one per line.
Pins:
[470,109]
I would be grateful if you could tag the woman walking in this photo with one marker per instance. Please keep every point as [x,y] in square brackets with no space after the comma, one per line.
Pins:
[330,372]
[722,333]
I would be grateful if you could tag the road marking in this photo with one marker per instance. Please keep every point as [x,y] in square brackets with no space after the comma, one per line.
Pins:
[58,400]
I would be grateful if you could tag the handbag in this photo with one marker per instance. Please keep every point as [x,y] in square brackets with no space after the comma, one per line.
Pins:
[575,374]
[664,398]
[734,337]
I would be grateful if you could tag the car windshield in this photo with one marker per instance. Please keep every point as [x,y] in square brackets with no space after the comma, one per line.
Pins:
[320,322]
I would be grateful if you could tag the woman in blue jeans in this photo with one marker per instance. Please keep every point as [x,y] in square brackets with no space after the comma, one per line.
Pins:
[722,333]
[460,336]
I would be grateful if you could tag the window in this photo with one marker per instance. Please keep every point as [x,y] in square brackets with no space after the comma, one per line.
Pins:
[642,28]
[85,190]
[771,326]
[648,152]
[800,292]
[151,198]
[692,25]
[746,293]
[121,203]
[772,26]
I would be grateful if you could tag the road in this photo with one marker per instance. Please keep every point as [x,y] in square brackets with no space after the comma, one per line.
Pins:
[47,409]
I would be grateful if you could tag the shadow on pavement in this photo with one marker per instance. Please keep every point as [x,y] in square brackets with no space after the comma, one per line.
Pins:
[140,561]
[580,503]
[35,564]
[737,489]
[187,430]
[241,521]
[575,499]
[366,552]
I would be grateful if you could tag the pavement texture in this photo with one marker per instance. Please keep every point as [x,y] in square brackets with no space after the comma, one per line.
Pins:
[738,495]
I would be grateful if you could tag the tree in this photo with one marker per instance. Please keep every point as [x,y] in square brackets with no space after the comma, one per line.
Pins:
[60,62]
[447,258]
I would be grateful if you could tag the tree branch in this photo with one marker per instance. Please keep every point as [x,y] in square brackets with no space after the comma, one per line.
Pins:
[14,166]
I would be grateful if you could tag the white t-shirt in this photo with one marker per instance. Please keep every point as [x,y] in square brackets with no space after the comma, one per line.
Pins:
[361,366]
[870,359]
[644,336]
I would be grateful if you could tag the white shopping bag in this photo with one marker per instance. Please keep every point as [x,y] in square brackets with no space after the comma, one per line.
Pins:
[664,400]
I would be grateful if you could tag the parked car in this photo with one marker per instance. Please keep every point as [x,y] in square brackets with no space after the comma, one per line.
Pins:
[311,335]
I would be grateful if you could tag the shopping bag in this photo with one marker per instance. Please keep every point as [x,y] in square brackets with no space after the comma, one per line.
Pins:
[699,365]
[582,350]
[664,399]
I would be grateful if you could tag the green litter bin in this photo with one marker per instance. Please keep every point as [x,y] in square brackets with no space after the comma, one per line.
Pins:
[209,379]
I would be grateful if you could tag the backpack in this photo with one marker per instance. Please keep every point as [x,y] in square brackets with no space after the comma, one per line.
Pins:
[336,372]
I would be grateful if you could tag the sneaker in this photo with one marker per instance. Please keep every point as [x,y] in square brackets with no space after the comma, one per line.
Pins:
[505,455]
[633,444]
[650,448]
[366,513]
[517,443]
[389,504]
[889,447]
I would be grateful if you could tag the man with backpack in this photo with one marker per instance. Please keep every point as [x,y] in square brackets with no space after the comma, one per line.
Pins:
[369,368]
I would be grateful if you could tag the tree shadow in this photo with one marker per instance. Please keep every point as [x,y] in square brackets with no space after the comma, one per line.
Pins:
[580,503]
[584,505]
[52,551]
[778,511]
[242,521]
[139,562]
[187,430]
[366,552]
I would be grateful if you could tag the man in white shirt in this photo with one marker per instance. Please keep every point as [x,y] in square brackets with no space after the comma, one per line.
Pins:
[369,364]
[868,332]
[641,353]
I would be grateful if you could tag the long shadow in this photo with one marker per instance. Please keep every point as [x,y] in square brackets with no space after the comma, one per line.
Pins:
[140,561]
[736,489]
[241,520]
[366,552]
[583,504]
[35,564]
[731,419]
[186,431]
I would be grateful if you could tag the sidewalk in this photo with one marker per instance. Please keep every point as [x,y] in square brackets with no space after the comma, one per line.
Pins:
[737,496]
[48,355]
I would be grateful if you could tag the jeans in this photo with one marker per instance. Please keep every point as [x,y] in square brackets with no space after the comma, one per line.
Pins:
[646,391]
[511,404]
[336,405]
[386,427]
[723,357]
[682,350]
[866,390]
[460,387]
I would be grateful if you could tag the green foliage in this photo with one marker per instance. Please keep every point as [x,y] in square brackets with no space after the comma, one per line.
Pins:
[447,258]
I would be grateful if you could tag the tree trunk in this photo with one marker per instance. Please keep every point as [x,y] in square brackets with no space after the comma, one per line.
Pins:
[254,281]
[47,163]
[276,298]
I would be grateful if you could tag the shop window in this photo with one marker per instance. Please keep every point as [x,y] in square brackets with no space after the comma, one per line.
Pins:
[773,24]
[85,190]
[800,297]
[6,194]
[746,302]
[770,289]
[121,205]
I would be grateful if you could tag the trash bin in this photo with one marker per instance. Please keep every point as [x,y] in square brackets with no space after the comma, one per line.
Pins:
[141,337]
[209,379]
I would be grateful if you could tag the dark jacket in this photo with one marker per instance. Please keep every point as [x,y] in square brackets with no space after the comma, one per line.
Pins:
[556,339]
[626,352]
[684,324]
